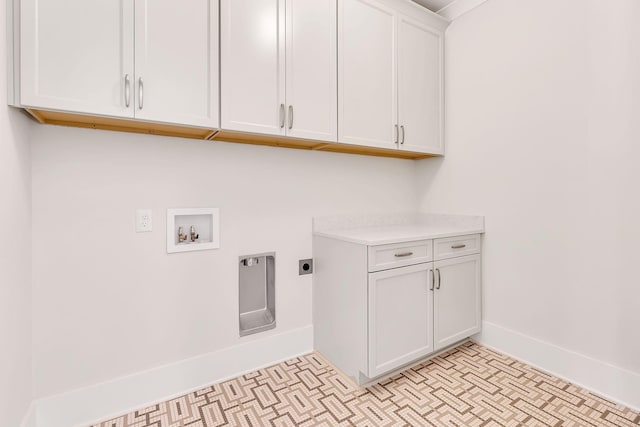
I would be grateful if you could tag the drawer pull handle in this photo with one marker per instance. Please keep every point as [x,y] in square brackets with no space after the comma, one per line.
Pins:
[439,278]
[458,246]
[404,254]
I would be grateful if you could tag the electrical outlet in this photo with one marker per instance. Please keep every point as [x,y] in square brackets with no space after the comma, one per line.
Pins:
[305,266]
[144,220]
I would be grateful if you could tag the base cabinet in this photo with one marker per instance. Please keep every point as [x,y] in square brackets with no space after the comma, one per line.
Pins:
[379,308]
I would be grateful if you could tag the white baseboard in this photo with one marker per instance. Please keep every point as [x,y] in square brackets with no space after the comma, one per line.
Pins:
[611,382]
[102,401]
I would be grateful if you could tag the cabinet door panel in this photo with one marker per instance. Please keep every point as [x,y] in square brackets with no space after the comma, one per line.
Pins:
[75,55]
[312,69]
[367,98]
[457,301]
[253,67]
[177,60]
[420,101]
[400,317]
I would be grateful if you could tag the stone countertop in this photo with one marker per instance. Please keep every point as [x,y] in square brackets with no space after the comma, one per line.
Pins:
[375,230]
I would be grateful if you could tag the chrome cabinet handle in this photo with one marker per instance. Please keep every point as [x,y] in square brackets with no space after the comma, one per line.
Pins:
[281,116]
[397,135]
[458,246]
[404,254]
[290,116]
[140,93]
[402,140]
[127,90]
[438,271]
[432,279]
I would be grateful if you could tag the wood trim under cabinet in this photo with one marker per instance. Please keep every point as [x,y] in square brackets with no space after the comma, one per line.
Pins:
[60,118]
[117,124]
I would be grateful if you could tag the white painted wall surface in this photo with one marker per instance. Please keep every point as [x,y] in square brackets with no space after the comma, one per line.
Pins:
[110,302]
[543,138]
[15,256]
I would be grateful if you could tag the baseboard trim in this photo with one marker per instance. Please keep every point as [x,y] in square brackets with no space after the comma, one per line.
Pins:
[103,401]
[609,381]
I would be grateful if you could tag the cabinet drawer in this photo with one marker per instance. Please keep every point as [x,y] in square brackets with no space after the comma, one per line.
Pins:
[399,255]
[450,247]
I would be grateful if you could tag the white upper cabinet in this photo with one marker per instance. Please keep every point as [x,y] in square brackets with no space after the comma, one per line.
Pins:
[253,72]
[279,67]
[390,59]
[420,87]
[176,59]
[333,74]
[367,89]
[76,55]
[312,73]
[83,57]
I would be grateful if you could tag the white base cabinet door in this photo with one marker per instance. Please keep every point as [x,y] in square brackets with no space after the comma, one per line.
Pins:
[176,48]
[457,299]
[400,317]
[77,56]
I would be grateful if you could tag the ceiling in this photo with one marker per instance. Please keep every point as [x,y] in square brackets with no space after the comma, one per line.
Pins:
[450,9]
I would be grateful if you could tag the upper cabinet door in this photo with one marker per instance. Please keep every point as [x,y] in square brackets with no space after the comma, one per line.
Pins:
[77,56]
[420,82]
[176,52]
[253,67]
[367,97]
[312,69]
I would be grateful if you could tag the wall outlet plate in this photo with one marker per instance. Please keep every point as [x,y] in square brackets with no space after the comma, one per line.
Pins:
[144,220]
[305,266]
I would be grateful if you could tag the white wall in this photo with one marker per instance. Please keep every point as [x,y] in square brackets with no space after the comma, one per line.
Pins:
[15,256]
[543,138]
[109,302]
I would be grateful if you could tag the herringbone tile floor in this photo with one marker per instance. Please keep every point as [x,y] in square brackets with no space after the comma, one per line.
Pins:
[467,386]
